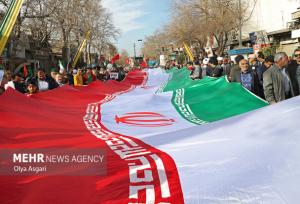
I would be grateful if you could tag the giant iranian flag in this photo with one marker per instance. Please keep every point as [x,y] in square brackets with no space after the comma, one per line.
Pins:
[166,138]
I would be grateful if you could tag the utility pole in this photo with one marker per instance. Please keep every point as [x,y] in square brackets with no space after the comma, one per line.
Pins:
[140,41]
[134,50]
[240,24]
[282,18]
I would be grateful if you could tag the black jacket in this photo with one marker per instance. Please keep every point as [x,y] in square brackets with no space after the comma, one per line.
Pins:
[214,72]
[291,70]
[256,88]
[52,83]
[20,86]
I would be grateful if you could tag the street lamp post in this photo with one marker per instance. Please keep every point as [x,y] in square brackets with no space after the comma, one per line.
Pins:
[140,40]
[134,50]
[134,47]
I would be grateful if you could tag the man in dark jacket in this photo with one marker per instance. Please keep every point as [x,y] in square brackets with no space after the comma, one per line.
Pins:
[197,71]
[44,82]
[213,70]
[17,83]
[235,68]
[261,68]
[247,77]
[293,70]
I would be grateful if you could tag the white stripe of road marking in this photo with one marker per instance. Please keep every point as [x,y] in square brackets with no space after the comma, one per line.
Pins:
[165,191]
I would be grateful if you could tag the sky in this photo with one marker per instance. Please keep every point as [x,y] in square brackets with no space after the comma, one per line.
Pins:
[274,18]
[137,19]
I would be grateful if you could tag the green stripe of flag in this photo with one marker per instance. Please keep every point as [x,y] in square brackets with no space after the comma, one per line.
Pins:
[209,99]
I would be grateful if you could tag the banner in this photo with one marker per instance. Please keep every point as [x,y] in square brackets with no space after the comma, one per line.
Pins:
[9,22]
[189,52]
[162,60]
[114,75]
[164,140]
[259,40]
[79,51]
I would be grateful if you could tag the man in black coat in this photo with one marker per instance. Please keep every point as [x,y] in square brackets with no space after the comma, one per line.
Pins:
[18,82]
[248,78]
[213,70]
[44,82]
[293,70]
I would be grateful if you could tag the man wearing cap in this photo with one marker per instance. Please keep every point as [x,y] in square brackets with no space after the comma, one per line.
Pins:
[204,67]
[220,63]
[253,62]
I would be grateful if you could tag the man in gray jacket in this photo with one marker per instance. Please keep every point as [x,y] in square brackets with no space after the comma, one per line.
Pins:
[197,71]
[276,81]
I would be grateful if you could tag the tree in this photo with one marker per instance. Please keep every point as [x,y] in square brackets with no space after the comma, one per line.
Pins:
[104,32]
[156,44]
[111,50]
[31,20]
[61,24]
[196,22]
[187,26]
[221,17]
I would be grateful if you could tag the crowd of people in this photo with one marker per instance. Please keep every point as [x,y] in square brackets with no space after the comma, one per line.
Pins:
[273,78]
[41,81]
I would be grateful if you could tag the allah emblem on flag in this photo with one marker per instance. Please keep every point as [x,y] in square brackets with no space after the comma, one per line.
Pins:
[144,119]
